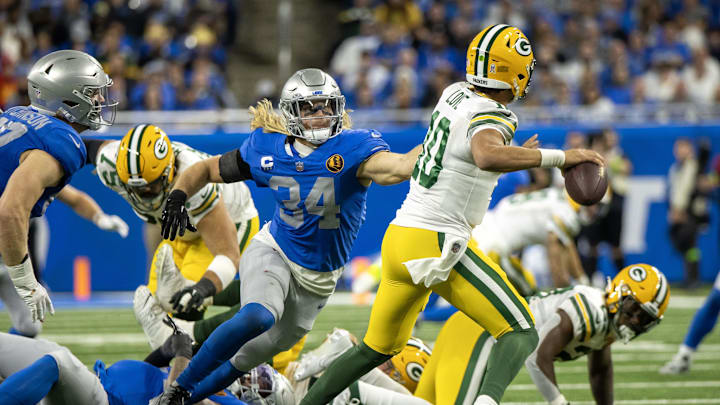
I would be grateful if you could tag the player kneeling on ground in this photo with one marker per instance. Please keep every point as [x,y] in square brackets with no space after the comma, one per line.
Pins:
[571,322]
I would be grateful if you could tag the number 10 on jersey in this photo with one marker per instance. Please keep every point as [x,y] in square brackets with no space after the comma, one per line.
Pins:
[429,163]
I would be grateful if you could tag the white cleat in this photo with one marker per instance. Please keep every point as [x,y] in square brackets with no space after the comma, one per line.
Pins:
[150,315]
[319,359]
[678,365]
[169,278]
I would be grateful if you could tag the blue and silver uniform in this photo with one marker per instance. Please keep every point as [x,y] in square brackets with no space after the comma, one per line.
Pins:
[132,382]
[24,128]
[320,202]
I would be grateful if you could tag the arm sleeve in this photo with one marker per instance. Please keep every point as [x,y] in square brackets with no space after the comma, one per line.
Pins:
[548,390]
[233,167]
[93,147]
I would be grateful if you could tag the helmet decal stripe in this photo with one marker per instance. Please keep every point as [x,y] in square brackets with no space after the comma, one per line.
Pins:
[484,48]
[490,44]
[661,294]
[134,149]
[477,49]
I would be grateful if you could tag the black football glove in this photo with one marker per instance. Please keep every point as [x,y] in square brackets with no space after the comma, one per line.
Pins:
[191,298]
[175,218]
[178,344]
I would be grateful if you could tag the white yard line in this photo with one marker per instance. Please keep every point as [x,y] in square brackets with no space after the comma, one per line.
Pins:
[92,339]
[628,385]
[634,402]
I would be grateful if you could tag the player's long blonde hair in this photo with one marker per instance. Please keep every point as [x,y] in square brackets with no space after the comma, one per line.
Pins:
[265,117]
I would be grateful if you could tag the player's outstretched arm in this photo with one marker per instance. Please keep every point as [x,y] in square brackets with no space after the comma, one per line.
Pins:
[37,171]
[387,168]
[600,370]
[86,207]
[540,363]
[218,232]
[490,153]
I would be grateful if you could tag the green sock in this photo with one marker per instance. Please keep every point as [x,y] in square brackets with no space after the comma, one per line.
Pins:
[351,365]
[506,359]
[204,327]
[229,296]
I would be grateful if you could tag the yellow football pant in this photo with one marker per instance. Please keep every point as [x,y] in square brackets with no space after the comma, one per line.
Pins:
[193,257]
[476,286]
[457,365]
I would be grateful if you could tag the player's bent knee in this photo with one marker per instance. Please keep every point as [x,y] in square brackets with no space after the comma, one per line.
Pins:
[257,316]
[28,328]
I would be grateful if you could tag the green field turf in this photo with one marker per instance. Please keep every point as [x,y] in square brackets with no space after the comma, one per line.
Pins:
[113,334]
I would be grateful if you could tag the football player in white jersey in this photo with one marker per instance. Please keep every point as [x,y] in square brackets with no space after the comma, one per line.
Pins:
[428,245]
[548,217]
[142,168]
[572,322]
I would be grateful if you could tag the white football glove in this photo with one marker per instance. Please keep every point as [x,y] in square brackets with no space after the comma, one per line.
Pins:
[111,223]
[32,293]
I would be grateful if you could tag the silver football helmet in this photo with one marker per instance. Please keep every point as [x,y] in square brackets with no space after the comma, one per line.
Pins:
[305,87]
[263,385]
[74,85]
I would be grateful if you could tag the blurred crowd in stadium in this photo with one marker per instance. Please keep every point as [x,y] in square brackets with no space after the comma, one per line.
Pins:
[391,54]
[402,53]
[162,55]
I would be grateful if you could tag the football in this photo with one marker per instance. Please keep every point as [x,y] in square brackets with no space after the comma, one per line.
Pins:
[586,183]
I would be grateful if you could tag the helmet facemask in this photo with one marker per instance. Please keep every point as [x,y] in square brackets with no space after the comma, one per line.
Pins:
[149,196]
[264,386]
[102,108]
[631,317]
[301,117]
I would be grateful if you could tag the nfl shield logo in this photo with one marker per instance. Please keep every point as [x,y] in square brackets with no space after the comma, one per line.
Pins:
[455,247]
[299,166]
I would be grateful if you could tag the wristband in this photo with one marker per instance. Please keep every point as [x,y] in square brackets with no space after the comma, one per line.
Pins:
[22,274]
[552,157]
[224,268]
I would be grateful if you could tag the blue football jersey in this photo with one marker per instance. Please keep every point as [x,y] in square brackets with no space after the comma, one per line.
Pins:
[320,202]
[24,128]
[132,382]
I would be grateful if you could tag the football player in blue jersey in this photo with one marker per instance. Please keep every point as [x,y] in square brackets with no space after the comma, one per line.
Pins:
[319,171]
[40,150]
[36,370]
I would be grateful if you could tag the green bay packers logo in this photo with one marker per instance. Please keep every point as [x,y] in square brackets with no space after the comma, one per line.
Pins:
[522,46]
[414,371]
[335,163]
[161,148]
[638,274]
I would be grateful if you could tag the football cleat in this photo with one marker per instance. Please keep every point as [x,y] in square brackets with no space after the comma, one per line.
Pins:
[169,278]
[678,365]
[174,395]
[150,316]
[319,359]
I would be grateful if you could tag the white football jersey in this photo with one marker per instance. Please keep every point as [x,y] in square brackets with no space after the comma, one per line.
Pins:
[448,192]
[585,306]
[525,219]
[237,196]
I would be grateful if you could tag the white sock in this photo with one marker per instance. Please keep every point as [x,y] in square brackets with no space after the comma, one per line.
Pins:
[686,351]
[484,400]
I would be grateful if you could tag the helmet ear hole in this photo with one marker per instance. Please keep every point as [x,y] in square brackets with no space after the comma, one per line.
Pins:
[521,76]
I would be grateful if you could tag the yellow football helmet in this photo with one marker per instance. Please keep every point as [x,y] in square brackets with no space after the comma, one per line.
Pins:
[637,299]
[500,57]
[407,366]
[146,165]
